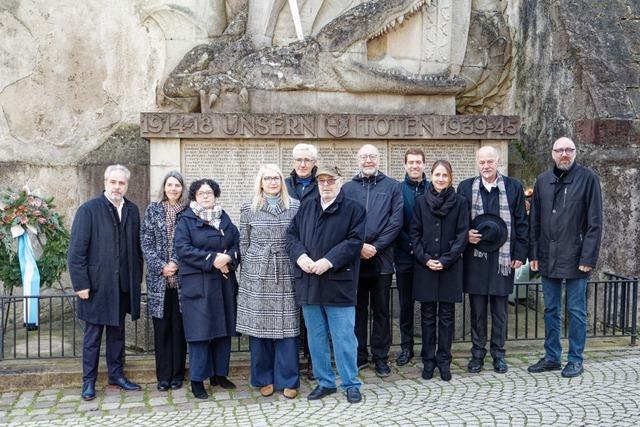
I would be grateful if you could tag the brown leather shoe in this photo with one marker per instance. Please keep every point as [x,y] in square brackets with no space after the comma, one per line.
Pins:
[290,393]
[266,390]
[309,372]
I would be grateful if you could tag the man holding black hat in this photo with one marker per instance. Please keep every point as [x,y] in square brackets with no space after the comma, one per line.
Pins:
[498,245]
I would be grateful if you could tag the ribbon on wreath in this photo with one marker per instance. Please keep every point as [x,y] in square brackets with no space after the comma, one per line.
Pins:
[30,276]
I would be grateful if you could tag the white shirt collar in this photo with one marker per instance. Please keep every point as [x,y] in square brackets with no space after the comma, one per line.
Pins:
[118,208]
[329,203]
[489,185]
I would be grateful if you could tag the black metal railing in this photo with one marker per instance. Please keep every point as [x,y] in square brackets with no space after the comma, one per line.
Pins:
[612,312]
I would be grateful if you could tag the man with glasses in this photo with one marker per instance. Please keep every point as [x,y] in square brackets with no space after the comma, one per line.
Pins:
[565,233]
[324,242]
[302,183]
[381,197]
[489,272]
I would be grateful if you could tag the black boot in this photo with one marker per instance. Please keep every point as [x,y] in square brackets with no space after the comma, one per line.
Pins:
[197,388]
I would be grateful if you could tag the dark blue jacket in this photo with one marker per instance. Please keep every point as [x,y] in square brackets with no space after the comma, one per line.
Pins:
[481,276]
[208,299]
[295,188]
[335,234]
[403,250]
[94,262]
[382,199]
[566,223]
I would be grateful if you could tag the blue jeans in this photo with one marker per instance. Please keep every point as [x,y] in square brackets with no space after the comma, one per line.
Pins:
[577,308]
[338,322]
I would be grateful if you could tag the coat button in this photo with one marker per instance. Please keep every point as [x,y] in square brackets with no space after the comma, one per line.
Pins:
[437,240]
[436,254]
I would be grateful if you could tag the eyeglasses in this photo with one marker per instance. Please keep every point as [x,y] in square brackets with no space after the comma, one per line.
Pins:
[564,150]
[368,156]
[329,181]
[487,162]
[271,178]
[204,193]
[305,160]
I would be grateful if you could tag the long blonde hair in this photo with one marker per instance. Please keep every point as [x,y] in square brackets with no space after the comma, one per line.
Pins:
[258,200]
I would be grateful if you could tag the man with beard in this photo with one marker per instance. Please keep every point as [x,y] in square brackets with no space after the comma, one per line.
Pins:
[382,199]
[489,272]
[566,228]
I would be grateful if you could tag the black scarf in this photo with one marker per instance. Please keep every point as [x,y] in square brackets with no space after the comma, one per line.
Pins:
[440,203]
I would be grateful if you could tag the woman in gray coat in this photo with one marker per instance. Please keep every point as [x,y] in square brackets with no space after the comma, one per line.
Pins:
[267,310]
[156,236]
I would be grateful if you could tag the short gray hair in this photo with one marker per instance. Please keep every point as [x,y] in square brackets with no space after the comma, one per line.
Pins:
[113,168]
[305,147]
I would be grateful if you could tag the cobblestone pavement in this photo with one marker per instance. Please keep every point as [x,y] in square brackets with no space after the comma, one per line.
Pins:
[608,393]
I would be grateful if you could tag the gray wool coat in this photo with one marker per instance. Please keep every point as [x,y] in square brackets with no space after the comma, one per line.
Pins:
[266,296]
[153,240]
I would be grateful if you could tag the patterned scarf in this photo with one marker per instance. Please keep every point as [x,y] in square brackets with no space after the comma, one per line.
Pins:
[504,260]
[210,216]
[171,215]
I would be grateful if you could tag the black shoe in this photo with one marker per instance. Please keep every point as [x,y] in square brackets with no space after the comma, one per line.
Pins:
[224,382]
[544,365]
[353,395]
[319,392]
[572,369]
[197,388]
[500,366]
[427,372]
[125,384]
[445,374]
[382,369]
[163,385]
[176,384]
[88,390]
[475,365]
[363,364]
[404,357]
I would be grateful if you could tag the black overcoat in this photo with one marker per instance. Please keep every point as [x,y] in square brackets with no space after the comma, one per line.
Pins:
[443,239]
[94,260]
[208,299]
[481,276]
[566,223]
[336,234]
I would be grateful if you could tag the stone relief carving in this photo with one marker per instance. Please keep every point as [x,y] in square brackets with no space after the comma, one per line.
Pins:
[487,68]
[342,56]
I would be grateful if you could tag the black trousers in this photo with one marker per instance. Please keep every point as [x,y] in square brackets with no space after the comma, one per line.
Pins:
[404,281]
[444,312]
[114,346]
[373,290]
[168,336]
[499,309]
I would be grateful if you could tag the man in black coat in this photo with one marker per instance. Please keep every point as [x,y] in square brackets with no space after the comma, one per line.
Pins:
[382,199]
[488,276]
[324,242]
[412,187]
[566,228]
[105,265]
[301,184]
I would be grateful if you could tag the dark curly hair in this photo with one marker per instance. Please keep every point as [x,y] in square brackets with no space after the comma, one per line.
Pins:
[195,186]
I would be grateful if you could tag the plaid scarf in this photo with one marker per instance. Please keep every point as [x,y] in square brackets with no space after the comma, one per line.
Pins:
[504,256]
[210,216]
[171,215]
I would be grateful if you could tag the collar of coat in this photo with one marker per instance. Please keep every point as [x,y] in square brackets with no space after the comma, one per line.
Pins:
[224,219]
[334,206]
[413,183]
[567,177]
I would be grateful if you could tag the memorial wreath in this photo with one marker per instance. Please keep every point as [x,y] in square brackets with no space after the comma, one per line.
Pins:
[21,211]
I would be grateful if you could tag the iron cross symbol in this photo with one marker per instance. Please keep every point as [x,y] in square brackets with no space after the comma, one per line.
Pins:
[295,14]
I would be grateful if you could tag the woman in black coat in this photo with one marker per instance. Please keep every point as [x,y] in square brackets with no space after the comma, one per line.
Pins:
[156,240]
[439,235]
[207,245]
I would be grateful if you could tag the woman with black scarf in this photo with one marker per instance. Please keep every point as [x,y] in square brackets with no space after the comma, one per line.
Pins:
[439,235]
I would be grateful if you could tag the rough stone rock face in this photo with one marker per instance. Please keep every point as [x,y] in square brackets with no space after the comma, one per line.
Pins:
[578,74]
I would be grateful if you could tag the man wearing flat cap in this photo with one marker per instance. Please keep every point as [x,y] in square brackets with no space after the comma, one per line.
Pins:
[498,245]
[324,242]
